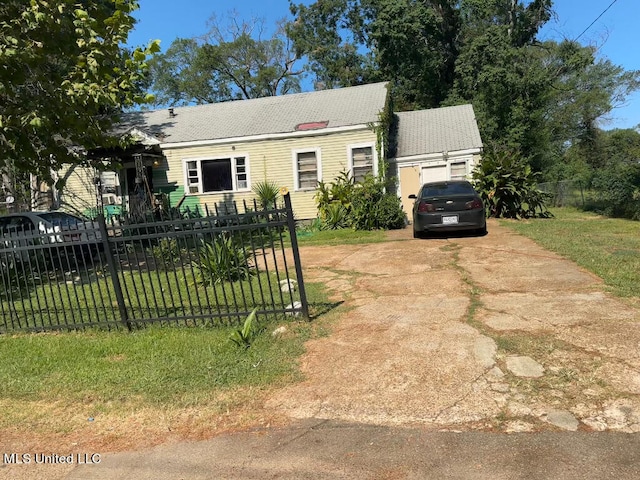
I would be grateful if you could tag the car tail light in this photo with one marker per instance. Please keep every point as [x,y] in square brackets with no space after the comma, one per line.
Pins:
[426,207]
[473,204]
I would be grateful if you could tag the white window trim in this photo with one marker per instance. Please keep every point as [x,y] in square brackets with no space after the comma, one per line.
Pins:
[374,152]
[466,160]
[234,173]
[294,161]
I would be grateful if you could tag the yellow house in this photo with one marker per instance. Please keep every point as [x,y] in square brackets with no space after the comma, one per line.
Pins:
[209,155]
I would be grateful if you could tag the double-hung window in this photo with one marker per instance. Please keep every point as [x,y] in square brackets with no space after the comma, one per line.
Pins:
[458,170]
[361,161]
[217,175]
[307,169]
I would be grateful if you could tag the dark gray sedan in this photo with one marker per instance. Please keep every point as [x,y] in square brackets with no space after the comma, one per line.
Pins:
[448,206]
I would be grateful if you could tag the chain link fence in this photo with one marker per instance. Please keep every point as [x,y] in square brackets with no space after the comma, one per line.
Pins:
[565,193]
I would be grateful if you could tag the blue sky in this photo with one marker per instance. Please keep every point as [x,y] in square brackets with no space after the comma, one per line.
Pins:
[616,33]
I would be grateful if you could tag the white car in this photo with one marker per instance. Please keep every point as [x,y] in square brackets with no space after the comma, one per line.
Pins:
[19,230]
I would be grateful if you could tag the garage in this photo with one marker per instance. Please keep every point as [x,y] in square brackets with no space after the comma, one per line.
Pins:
[435,145]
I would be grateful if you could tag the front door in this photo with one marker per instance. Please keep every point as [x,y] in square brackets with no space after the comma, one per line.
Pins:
[409,184]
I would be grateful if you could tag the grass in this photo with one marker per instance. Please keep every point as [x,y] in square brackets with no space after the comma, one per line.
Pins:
[345,236]
[608,247]
[155,366]
[88,297]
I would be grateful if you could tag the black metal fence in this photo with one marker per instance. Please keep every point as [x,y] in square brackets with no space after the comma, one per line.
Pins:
[212,270]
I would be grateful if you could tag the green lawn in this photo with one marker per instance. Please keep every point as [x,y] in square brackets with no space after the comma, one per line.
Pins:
[158,366]
[154,366]
[346,236]
[608,247]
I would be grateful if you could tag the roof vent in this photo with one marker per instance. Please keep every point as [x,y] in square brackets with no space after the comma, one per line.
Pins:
[171,113]
[311,125]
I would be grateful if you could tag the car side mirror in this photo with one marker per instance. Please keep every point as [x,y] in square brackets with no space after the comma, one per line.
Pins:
[412,196]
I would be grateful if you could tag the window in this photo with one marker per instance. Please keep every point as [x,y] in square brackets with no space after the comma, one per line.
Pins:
[217,175]
[458,170]
[193,178]
[242,180]
[306,169]
[362,162]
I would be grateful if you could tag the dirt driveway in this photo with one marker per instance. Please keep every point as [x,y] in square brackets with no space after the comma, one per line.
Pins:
[491,333]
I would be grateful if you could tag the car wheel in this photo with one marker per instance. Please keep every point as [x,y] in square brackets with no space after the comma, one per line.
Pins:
[416,234]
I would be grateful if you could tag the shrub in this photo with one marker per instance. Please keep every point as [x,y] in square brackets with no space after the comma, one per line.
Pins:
[336,216]
[617,190]
[508,186]
[365,205]
[222,260]
[167,253]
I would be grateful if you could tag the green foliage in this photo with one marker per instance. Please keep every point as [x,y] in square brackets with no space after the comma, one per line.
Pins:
[243,337]
[267,193]
[168,254]
[617,190]
[374,208]
[222,260]
[230,62]
[65,77]
[508,186]
[365,205]
[336,216]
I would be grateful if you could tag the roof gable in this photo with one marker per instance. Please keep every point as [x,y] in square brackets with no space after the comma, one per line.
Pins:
[334,108]
[446,129]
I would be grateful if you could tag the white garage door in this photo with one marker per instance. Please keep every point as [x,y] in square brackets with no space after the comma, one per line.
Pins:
[435,173]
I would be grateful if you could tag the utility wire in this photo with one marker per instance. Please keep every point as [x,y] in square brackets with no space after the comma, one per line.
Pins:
[591,25]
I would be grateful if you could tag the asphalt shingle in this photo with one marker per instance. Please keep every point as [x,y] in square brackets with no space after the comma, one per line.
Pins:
[437,130]
[263,116]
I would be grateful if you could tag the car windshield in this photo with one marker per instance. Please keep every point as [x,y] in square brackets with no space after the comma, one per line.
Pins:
[60,218]
[447,188]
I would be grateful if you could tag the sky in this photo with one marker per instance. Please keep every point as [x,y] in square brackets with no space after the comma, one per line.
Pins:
[615,34]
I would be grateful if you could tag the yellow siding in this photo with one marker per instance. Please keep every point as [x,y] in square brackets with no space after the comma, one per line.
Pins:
[79,192]
[270,160]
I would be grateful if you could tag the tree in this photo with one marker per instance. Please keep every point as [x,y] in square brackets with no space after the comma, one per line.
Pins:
[351,42]
[64,78]
[229,63]
[499,71]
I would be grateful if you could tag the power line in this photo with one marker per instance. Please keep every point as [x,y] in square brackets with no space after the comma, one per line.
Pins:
[591,25]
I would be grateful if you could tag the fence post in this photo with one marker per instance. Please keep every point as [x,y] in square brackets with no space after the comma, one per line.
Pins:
[113,272]
[291,224]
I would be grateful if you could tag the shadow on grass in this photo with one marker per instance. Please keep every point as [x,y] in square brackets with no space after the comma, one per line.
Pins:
[317,309]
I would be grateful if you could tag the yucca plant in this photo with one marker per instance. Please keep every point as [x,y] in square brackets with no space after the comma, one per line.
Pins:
[335,217]
[222,260]
[267,193]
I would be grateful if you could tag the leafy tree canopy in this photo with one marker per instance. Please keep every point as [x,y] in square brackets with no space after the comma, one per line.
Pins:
[228,63]
[64,77]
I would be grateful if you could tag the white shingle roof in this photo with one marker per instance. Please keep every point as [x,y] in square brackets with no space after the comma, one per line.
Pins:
[446,129]
[262,116]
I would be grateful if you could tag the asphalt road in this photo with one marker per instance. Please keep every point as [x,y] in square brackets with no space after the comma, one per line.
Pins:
[315,449]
